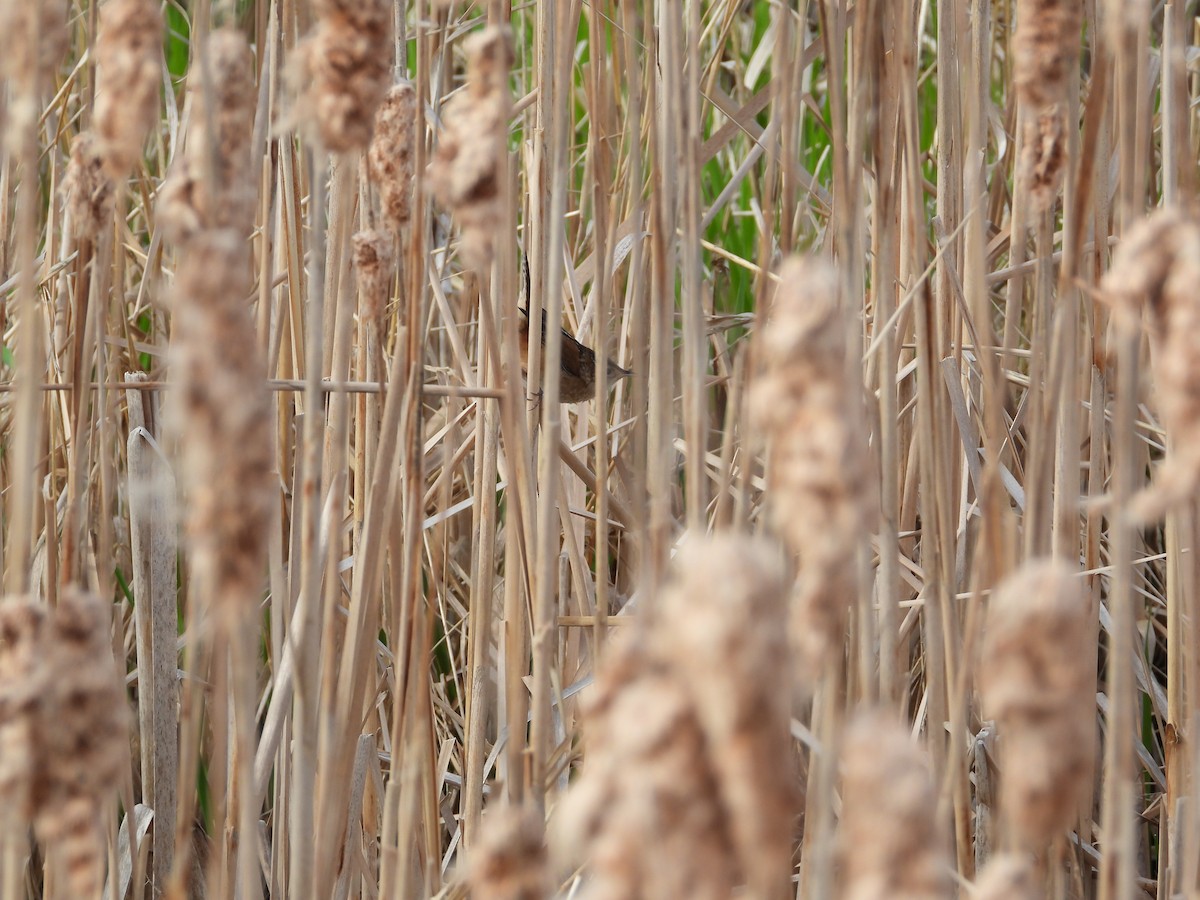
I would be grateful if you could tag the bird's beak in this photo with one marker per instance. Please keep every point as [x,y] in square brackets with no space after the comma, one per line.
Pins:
[616,373]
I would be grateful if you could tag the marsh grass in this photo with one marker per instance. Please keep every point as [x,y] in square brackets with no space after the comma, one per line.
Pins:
[369,589]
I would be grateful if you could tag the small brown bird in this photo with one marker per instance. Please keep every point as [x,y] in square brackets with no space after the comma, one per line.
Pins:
[578,370]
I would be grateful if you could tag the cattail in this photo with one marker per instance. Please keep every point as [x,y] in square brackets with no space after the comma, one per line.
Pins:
[22,640]
[889,840]
[373,272]
[17,59]
[1045,53]
[644,812]
[468,163]
[128,76]
[64,728]
[685,790]
[509,860]
[392,151]
[1038,685]
[224,413]
[1157,269]
[341,70]
[1007,877]
[88,187]
[214,186]
[721,629]
[822,501]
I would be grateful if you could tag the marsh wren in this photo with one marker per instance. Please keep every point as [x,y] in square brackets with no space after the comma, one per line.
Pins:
[577,378]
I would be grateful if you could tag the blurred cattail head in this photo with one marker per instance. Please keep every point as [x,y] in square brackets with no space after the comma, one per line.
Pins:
[17,59]
[213,186]
[687,786]
[88,187]
[1156,272]
[341,71]
[889,841]
[373,259]
[392,153]
[822,491]
[471,154]
[1037,682]
[64,728]
[128,78]
[223,416]
[1007,877]
[1045,55]
[508,862]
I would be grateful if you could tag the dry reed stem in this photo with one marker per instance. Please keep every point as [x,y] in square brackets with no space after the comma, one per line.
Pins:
[468,163]
[1045,54]
[341,71]
[391,155]
[214,185]
[509,860]
[889,840]
[1157,270]
[685,790]
[823,495]
[223,416]
[373,269]
[64,728]
[128,77]
[88,187]
[1036,682]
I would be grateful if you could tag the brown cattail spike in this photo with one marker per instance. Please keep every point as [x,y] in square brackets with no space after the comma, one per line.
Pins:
[1045,54]
[17,62]
[392,153]
[509,861]
[373,259]
[468,164]
[686,789]
[224,408]
[341,71]
[1038,684]
[213,186]
[64,728]
[823,501]
[88,187]
[1156,271]
[889,840]
[128,77]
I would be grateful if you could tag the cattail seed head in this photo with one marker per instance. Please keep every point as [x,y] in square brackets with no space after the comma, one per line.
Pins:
[688,749]
[341,71]
[509,860]
[373,259]
[128,76]
[1038,685]
[64,727]
[219,137]
[224,409]
[1045,54]
[1156,271]
[17,59]
[392,153]
[468,162]
[889,840]
[823,503]
[88,187]
[1007,877]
